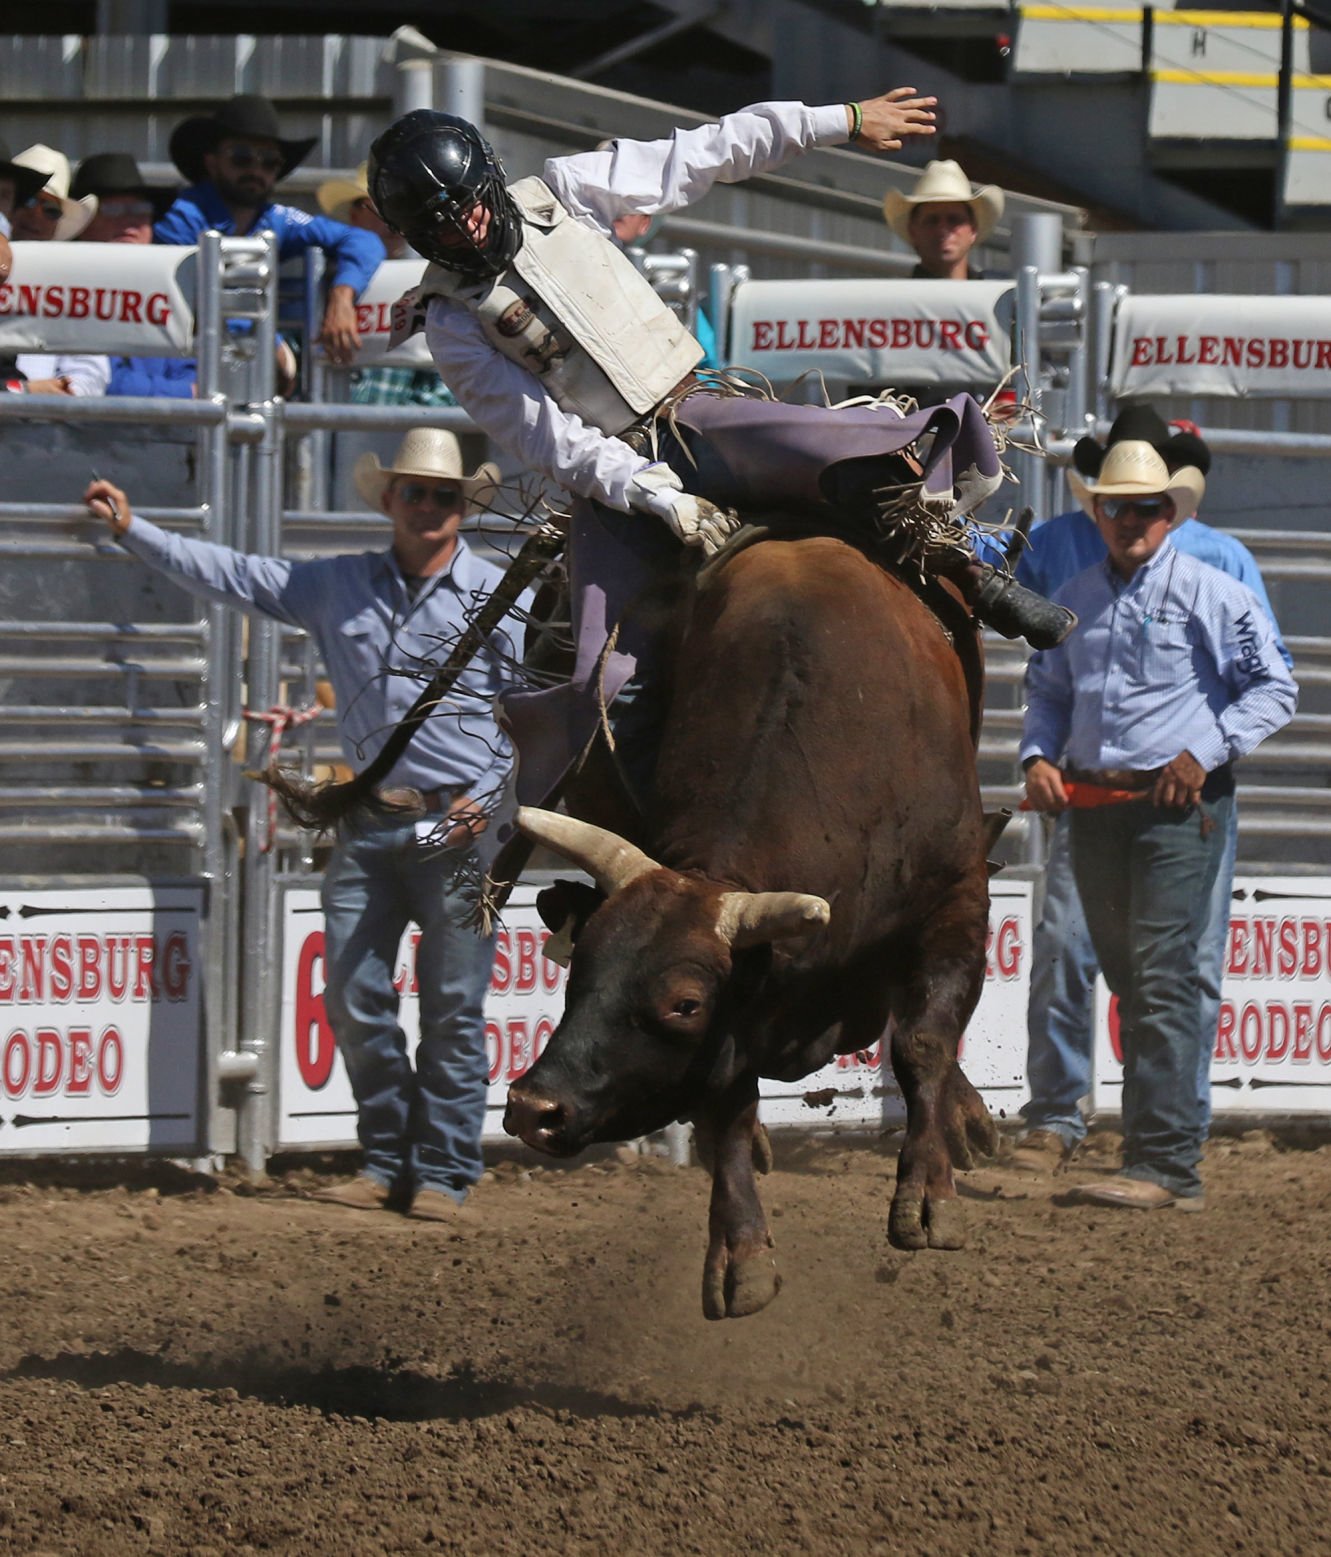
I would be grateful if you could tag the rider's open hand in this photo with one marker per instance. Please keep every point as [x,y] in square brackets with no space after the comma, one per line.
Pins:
[894,118]
[339,337]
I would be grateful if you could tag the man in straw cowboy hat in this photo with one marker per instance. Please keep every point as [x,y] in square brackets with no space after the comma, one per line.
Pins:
[379,619]
[1172,675]
[1060,1011]
[942,219]
[233,158]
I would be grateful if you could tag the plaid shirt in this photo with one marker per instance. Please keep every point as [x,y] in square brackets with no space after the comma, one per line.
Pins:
[399,386]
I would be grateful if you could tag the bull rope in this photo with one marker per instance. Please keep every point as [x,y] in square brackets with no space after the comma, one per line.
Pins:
[279,718]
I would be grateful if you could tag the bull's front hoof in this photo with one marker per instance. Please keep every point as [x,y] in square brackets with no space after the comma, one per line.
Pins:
[735,1286]
[968,1127]
[922,1221]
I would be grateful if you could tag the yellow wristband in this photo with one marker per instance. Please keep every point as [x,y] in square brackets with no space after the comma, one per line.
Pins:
[856,120]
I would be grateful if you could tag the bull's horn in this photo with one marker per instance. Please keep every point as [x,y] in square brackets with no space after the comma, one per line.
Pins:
[611,861]
[747,918]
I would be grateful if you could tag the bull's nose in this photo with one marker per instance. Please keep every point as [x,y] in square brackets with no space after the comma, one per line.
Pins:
[534,1119]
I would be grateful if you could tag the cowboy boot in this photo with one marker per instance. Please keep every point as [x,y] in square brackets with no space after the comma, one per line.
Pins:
[1010,608]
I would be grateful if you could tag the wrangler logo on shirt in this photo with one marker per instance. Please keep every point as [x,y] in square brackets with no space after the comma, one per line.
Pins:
[1250,664]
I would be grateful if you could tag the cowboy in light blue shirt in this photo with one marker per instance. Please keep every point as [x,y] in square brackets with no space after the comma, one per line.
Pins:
[383,621]
[1171,675]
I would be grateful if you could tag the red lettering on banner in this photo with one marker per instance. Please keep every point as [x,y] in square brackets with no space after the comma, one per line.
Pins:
[80,1062]
[62,967]
[1003,948]
[176,966]
[877,334]
[1208,352]
[104,305]
[949,334]
[1141,352]
[977,335]
[131,307]
[80,300]
[829,334]
[900,334]
[1305,349]
[1264,937]
[145,968]
[1303,1032]
[855,332]
[33,987]
[49,1062]
[862,1059]
[7,969]
[1323,355]
[1324,1035]
[1287,959]
[1233,357]
[17,1066]
[313,1038]
[526,973]
[90,967]
[1250,1032]
[1224,1038]
[118,949]
[54,305]
[1277,1031]
[501,974]
[1182,352]
[1237,960]
[110,1062]
[762,335]
[1278,354]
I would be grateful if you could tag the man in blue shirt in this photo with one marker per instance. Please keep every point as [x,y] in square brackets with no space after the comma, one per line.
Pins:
[379,619]
[1171,675]
[1064,965]
[232,159]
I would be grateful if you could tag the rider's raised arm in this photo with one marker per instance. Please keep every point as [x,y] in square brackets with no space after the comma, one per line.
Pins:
[666,175]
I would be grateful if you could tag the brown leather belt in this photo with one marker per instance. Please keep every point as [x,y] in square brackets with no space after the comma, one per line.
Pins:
[434,802]
[1114,778]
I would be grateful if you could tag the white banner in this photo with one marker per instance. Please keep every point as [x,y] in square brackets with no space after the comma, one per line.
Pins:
[96,299]
[101,1045]
[374,317]
[1273,1047]
[526,1000]
[875,332]
[1233,347]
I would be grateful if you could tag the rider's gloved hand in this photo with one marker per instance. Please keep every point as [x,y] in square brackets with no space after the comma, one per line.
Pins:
[693,520]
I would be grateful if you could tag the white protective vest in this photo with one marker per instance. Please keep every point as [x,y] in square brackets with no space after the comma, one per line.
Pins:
[572,310]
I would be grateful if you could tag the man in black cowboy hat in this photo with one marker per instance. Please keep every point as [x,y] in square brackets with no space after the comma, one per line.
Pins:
[18,185]
[233,158]
[126,206]
[1064,963]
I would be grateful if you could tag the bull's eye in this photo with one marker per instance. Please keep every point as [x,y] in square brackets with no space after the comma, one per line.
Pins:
[686,1007]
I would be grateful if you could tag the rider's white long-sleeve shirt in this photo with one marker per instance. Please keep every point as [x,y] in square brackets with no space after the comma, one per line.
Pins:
[595,187]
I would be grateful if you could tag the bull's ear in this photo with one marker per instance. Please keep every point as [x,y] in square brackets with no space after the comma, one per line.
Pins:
[747,918]
[611,861]
[564,908]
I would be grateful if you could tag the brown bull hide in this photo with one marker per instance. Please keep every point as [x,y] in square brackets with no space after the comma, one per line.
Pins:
[819,746]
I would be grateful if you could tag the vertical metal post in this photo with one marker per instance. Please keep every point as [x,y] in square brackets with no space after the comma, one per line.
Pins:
[459,82]
[1284,112]
[1104,299]
[257,991]
[221,906]
[311,476]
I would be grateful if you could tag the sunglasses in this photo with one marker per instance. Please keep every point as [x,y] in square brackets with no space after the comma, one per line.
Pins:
[250,157]
[123,210]
[413,492]
[1143,507]
[52,210]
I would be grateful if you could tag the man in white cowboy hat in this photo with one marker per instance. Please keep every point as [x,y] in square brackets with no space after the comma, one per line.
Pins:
[1060,1009]
[942,219]
[233,158]
[379,620]
[1171,675]
[50,215]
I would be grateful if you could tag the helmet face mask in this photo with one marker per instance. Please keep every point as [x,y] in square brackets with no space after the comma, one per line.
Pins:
[427,174]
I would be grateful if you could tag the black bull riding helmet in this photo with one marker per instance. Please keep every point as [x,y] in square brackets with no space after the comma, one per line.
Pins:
[426,173]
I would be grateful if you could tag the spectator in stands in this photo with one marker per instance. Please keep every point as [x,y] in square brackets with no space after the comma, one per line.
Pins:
[942,219]
[1172,674]
[379,620]
[126,206]
[18,184]
[349,201]
[126,210]
[52,215]
[1060,1014]
[233,158]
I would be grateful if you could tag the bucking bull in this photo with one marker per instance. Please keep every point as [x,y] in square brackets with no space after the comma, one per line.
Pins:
[816,867]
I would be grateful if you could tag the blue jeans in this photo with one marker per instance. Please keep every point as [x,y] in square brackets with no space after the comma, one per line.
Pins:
[1061,1010]
[419,1128]
[1145,877]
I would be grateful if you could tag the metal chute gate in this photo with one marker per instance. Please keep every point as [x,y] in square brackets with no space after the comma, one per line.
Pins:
[160,950]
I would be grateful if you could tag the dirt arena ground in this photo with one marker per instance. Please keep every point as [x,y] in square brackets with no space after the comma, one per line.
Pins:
[204,1368]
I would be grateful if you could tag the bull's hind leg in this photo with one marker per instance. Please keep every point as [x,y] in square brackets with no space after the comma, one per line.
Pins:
[739,1274]
[945,1117]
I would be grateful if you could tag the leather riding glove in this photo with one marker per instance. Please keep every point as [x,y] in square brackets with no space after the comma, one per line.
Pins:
[693,520]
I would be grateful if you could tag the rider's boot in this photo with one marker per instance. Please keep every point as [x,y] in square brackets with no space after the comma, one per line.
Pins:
[1011,609]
